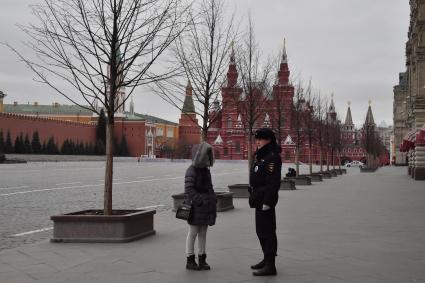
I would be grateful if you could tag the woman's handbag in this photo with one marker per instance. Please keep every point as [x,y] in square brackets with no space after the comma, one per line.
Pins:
[184,211]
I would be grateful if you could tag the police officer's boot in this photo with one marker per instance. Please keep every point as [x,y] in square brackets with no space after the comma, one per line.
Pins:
[203,265]
[259,265]
[191,263]
[269,269]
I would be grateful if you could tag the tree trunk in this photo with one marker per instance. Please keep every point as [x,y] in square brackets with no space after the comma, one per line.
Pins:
[321,160]
[367,160]
[327,159]
[204,135]
[339,159]
[333,158]
[249,153]
[297,163]
[310,161]
[107,206]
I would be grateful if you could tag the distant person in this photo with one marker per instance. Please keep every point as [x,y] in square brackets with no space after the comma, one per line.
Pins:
[199,191]
[291,172]
[265,179]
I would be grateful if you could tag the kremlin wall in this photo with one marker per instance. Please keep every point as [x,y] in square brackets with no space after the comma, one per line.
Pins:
[145,135]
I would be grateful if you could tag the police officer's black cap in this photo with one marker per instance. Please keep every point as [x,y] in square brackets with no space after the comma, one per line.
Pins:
[265,134]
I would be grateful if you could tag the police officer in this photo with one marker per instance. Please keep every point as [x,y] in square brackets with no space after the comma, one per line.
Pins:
[265,180]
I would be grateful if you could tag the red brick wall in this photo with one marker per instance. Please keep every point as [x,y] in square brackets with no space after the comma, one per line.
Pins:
[61,130]
[46,127]
[135,133]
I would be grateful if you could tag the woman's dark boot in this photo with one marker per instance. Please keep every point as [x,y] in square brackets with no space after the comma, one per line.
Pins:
[191,263]
[203,265]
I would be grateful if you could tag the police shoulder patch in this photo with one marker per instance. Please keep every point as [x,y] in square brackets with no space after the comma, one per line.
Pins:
[271,167]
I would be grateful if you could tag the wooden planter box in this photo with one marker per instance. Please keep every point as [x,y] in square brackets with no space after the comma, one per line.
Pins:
[288,185]
[239,190]
[419,173]
[224,201]
[333,173]
[337,171]
[87,227]
[326,175]
[300,180]
[344,171]
[368,170]
[314,177]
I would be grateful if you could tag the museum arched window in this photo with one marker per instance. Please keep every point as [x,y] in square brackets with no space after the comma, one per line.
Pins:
[229,122]
[225,151]
[287,155]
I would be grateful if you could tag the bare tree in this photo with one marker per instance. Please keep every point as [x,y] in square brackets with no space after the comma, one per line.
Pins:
[320,123]
[310,130]
[255,82]
[278,117]
[338,141]
[335,140]
[202,54]
[96,48]
[298,122]
[372,145]
[327,135]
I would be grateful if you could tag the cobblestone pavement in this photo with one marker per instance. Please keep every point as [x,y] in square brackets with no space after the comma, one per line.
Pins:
[31,193]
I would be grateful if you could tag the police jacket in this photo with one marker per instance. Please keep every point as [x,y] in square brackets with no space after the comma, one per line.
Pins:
[265,176]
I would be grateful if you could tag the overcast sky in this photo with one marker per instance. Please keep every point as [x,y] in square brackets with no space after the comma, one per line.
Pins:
[353,48]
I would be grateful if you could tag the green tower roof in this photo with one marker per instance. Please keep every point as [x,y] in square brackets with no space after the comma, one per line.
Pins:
[188,105]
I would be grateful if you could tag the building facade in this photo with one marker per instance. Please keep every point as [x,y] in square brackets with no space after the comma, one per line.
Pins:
[415,63]
[228,134]
[400,113]
[409,97]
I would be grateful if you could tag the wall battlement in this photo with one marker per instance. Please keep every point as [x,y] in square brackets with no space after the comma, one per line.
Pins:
[43,119]
[60,130]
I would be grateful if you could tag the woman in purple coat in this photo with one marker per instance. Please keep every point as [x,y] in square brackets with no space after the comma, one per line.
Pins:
[199,191]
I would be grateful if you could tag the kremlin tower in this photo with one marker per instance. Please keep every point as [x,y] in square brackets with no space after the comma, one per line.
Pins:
[189,130]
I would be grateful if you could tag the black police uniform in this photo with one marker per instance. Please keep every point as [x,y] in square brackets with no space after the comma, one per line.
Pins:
[265,180]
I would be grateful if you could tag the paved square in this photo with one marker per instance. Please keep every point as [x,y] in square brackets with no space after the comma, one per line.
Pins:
[353,228]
